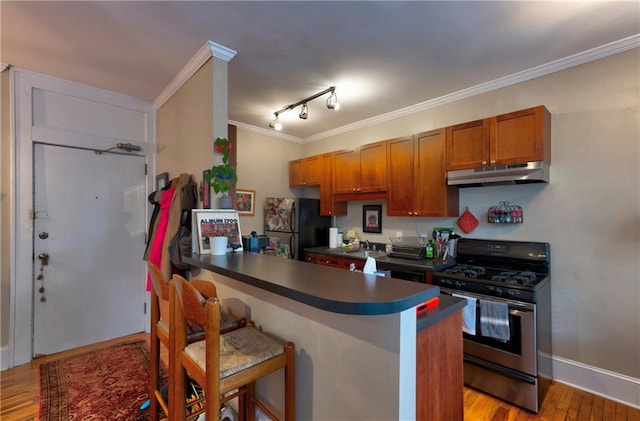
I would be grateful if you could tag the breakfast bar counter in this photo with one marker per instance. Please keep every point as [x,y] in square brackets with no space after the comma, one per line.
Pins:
[361,351]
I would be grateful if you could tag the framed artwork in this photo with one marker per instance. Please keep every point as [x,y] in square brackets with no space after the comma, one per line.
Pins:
[162,180]
[206,190]
[372,218]
[246,202]
[212,223]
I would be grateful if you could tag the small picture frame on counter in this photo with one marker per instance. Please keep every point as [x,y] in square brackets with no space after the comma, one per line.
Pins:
[372,218]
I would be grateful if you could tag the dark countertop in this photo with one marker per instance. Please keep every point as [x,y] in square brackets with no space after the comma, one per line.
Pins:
[424,264]
[327,288]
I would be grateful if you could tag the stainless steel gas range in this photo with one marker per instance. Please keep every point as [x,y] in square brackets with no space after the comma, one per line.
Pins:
[507,321]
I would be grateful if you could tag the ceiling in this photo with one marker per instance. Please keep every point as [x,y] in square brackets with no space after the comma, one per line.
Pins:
[382,56]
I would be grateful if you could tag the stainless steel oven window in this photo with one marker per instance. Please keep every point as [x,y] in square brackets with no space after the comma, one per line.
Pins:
[519,353]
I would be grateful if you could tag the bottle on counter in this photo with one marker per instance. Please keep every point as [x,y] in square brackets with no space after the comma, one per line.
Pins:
[429,250]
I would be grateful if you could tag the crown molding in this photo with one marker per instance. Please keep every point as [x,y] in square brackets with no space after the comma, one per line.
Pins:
[220,51]
[535,72]
[266,132]
[208,50]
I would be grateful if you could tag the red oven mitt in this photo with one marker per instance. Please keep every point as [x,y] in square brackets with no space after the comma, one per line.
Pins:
[467,222]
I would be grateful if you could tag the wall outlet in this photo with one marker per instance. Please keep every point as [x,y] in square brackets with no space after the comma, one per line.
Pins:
[398,234]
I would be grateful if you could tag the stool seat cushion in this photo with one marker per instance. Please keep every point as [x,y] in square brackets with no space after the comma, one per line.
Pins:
[239,349]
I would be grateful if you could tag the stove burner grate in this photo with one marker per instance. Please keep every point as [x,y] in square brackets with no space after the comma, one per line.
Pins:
[466,270]
[515,277]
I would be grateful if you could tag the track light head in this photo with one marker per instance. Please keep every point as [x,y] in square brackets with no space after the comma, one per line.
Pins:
[332,101]
[304,113]
[275,124]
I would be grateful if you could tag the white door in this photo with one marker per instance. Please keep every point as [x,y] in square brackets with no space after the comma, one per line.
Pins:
[90,221]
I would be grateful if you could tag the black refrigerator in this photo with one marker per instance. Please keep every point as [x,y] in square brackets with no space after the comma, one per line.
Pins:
[293,224]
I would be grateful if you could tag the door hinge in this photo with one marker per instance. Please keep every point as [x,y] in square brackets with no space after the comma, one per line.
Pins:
[145,169]
[145,308]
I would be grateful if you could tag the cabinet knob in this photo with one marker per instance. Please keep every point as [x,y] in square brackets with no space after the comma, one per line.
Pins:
[484,162]
[493,162]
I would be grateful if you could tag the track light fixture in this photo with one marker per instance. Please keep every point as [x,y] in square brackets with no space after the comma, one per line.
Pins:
[332,104]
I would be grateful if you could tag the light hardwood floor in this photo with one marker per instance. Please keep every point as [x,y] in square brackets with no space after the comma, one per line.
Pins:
[19,394]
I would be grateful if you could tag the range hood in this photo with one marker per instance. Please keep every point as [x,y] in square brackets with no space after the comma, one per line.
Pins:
[529,172]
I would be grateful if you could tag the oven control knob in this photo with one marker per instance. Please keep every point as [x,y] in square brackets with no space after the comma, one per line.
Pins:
[448,281]
[511,293]
[498,292]
[458,284]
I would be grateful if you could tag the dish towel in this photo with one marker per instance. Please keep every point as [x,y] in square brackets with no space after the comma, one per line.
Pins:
[494,320]
[468,315]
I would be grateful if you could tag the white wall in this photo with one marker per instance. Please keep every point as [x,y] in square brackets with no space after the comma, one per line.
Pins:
[263,166]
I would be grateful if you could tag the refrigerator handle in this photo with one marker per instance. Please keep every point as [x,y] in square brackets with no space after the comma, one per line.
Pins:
[292,246]
[292,218]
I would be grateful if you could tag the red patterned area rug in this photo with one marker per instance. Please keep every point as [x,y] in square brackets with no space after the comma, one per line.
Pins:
[104,384]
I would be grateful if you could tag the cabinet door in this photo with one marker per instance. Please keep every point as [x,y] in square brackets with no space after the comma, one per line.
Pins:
[400,176]
[296,177]
[345,263]
[373,167]
[312,170]
[468,145]
[327,204]
[521,136]
[432,196]
[346,175]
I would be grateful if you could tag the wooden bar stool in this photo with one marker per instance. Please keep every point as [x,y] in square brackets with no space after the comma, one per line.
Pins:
[224,365]
[160,308]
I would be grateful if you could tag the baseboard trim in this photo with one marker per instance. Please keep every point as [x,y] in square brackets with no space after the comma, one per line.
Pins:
[4,358]
[608,384]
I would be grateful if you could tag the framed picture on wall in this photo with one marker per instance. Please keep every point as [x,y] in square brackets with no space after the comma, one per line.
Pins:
[162,180]
[206,190]
[372,218]
[245,202]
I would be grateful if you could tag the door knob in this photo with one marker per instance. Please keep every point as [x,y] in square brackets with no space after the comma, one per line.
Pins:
[43,235]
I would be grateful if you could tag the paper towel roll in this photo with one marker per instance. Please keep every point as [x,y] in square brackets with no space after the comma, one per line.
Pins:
[333,238]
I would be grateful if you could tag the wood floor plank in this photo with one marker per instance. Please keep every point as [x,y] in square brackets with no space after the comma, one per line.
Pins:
[19,397]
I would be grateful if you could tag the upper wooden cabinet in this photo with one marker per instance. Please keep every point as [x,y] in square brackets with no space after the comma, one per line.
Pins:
[417,173]
[305,172]
[361,171]
[512,138]
[327,204]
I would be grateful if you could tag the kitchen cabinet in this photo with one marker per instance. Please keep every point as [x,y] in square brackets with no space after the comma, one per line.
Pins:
[361,171]
[417,184]
[305,171]
[512,138]
[328,205]
[333,261]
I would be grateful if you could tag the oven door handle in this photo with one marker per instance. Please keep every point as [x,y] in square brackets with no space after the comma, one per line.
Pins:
[519,313]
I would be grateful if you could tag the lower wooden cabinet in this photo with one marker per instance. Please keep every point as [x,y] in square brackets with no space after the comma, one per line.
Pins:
[334,261]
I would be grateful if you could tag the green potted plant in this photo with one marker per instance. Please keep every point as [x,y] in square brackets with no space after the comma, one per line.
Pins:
[223,177]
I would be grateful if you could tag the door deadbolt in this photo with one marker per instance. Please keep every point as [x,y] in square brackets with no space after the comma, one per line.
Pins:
[43,235]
